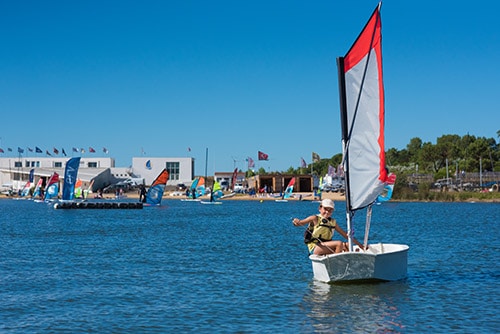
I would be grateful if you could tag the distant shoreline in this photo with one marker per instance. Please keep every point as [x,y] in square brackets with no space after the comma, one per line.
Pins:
[336,197]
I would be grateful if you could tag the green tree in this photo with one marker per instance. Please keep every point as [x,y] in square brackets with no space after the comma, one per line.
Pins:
[414,148]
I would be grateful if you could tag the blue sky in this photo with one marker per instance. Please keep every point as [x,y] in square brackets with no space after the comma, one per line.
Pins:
[236,77]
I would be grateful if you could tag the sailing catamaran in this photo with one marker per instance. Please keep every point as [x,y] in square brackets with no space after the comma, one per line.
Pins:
[362,117]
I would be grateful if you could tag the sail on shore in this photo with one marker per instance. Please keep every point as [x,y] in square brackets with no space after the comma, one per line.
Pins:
[78,189]
[27,186]
[289,189]
[52,188]
[362,108]
[37,191]
[157,188]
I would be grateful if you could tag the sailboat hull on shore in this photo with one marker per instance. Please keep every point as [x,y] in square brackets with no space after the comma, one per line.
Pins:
[381,262]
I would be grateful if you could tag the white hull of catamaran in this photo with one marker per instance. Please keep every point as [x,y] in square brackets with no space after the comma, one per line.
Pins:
[381,262]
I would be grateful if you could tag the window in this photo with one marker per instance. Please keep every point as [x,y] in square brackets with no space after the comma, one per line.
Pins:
[173,170]
[18,164]
[58,164]
[92,165]
[27,163]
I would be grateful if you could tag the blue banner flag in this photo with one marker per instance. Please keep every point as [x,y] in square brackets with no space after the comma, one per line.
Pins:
[70,176]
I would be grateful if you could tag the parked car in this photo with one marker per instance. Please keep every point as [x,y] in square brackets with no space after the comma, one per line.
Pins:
[238,188]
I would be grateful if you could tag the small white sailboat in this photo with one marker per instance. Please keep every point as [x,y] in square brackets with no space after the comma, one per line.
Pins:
[362,114]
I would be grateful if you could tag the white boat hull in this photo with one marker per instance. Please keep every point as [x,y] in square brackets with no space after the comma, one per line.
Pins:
[381,262]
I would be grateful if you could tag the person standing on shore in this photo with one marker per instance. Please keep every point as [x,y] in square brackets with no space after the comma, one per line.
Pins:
[142,193]
[319,233]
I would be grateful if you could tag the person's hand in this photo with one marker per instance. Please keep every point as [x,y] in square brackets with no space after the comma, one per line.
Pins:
[295,221]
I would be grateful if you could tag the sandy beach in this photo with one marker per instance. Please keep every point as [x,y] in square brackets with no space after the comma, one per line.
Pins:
[239,197]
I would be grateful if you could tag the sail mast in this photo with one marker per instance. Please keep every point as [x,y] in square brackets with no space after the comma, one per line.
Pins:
[345,136]
[362,117]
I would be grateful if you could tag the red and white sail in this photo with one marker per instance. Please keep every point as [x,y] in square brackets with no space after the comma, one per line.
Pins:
[363,118]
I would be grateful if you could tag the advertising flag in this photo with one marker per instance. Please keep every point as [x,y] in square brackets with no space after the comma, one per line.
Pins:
[315,157]
[38,150]
[303,163]
[20,150]
[91,150]
[70,177]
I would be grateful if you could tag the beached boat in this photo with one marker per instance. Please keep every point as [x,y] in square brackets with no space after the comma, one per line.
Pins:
[366,177]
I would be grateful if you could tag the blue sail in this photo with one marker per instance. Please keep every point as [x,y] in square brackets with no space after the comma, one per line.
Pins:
[155,192]
[192,188]
[70,174]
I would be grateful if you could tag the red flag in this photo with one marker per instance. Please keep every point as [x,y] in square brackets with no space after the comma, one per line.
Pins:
[56,151]
[263,156]
[1,151]
[91,150]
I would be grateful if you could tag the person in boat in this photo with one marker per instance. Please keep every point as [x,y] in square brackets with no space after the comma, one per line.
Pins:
[319,233]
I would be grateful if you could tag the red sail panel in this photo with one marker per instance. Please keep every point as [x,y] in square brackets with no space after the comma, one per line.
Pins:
[365,115]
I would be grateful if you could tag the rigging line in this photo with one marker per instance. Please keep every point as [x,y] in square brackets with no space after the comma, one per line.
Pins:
[362,80]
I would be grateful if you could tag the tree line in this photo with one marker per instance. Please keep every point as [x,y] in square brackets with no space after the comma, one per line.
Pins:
[466,153]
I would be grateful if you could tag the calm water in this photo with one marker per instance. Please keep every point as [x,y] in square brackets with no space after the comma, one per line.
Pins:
[240,267]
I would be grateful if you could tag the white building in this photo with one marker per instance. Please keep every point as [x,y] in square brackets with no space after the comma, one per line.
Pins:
[180,170]
[98,171]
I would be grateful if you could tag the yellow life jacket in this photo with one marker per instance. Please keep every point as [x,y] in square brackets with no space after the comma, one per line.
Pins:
[321,231]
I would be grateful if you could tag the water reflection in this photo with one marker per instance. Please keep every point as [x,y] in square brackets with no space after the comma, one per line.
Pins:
[354,307]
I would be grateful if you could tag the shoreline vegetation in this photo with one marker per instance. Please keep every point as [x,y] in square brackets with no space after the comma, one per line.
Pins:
[431,196]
